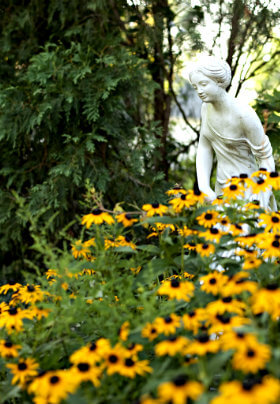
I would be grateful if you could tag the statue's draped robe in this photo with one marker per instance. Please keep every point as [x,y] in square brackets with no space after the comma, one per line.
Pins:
[238,156]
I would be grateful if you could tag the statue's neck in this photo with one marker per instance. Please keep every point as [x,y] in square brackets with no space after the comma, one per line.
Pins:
[223,103]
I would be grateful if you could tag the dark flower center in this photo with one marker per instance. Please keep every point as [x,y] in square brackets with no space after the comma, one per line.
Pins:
[233,187]
[272,286]
[262,169]
[224,221]
[113,358]
[54,379]
[243,175]
[22,366]
[205,246]
[172,339]
[93,346]
[168,320]
[128,238]
[214,231]
[251,353]
[12,283]
[153,330]
[213,281]
[227,299]
[238,226]
[241,280]
[30,288]
[155,205]
[248,385]
[96,212]
[8,344]
[13,311]
[275,219]
[197,192]
[191,314]
[180,380]
[175,283]
[223,319]
[260,181]
[192,244]
[83,367]
[131,346]
[183,197]
[273,174]
[276,244]
[240,335]
[129,362]
[128,216]
[208,216]
[203,338]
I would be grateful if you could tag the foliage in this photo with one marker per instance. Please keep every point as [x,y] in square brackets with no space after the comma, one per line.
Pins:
[161,266]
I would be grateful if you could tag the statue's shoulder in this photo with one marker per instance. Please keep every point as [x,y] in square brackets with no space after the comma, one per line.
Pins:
[245,112]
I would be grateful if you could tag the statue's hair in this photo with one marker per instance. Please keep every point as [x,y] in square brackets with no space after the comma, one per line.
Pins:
[216,69]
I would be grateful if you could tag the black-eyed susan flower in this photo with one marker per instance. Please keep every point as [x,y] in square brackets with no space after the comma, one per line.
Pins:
[124,331]
[80,250]
[226,304]
[251,358]
[12,319]
[136,270]
[247,253]
[133,349]
[249,391]
[23,371]
[270,243]
[212,234]
[8,349]
[153,209]
[180,203]
[86,372]
[167,325]
[267,300]
[185,231]
[114,358]
[30,294]
[270,221]
[234,339]
[236,229]
[208,218]
[205,249]
[12,285]
[213,282]
[53,387]
[179,390]
[176,190]
[224,322]
[175,289]
[239,283]
[190,246]
[234,191]
[251,263]
[97,217]
[273,179]
[203,345]
[261,185]
[150,331]
[255,204]
[92,352]
[126,219]
[125,241]
[131,368]
[172,346]
[193,319]
[196,196]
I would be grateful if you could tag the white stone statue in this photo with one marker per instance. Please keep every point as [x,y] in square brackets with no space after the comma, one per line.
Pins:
[229,128]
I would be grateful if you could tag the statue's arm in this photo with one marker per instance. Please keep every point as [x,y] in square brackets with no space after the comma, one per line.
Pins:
[258,138]
[204,162]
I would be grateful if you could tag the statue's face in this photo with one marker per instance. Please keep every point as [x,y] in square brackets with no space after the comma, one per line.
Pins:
[208,90]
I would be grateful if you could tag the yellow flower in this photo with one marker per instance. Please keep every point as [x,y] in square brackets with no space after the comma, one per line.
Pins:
[270,221]
[8,349]
[223,322]
[208,219]
[261,185]
[53,386]
[226,304]
[239,283]
[175,289]
[167,325]
[12,319]
[124,331]
[154,209]
[136,270]
[23,371]
[270,243]
[126,219]
[179,390]
[130,367]
[233,191]
[84,372]
[150,331]
[193,319]
[205,249]
[234,339]
[267,300]
[251,358]
[97,217]
[30,294]
[213,234]
[185,231]
[92,352]
[213,282]
[79,250]
[273,179]
[176,190]
[114,359]
[180,203]
[251,263]
[14,286]
[172,346]
[203,345]
[125,241]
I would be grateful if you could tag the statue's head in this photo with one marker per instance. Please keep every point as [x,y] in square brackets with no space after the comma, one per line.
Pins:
[215,69]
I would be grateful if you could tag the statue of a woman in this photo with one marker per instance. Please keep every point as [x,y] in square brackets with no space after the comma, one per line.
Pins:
[229,128]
